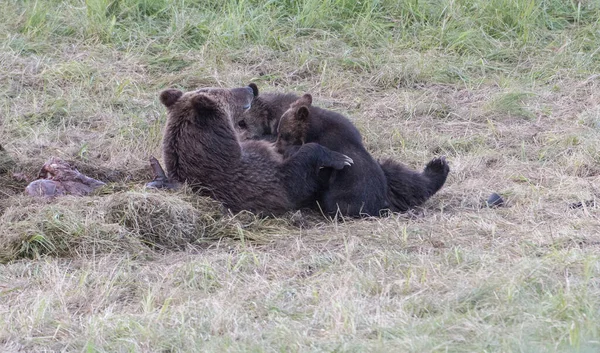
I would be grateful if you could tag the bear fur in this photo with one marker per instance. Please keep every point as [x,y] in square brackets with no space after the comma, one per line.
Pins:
[357,191]
[406,188]
[201,147]
[261,120]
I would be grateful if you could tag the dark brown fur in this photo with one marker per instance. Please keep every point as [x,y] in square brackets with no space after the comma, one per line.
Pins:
[356,191]
[201,148]
[261,120]
[406,188]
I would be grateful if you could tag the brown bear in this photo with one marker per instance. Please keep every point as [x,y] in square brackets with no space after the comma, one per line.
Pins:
[260,121]
[201,147]
[357,191]
[405,188]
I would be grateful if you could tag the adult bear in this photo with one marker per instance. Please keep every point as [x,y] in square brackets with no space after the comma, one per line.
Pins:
[201,147]
[406,188]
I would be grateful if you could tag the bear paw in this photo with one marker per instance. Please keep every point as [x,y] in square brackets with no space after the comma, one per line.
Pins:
[437,166]
[337,161]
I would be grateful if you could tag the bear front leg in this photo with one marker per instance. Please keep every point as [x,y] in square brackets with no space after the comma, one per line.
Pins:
[301,172]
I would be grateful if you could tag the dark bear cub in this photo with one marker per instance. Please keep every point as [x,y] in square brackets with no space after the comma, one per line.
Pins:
[356,191]
[201,148]
[261,120]
[406,188]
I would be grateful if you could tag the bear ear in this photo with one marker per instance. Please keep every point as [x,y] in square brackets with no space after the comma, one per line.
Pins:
[302,113]
[306,99]
[204,105]
[169,96]
[254,89]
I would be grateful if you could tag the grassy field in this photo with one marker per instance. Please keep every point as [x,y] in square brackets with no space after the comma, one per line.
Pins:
[508,90]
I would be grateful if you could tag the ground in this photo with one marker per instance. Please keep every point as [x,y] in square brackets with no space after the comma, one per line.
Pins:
[508,90]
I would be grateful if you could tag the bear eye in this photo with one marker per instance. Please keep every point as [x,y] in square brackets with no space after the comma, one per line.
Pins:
[242,124]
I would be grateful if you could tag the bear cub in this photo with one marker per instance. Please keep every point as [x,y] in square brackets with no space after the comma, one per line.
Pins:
[201,147]
[357,191]
[405,188]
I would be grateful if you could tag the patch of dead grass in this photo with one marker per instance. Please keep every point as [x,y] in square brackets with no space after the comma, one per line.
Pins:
[134,222]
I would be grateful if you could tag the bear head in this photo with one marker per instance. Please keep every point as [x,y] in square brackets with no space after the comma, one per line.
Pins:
[254,123]
[261,120]
[206,103]
[294,124]
[199,134]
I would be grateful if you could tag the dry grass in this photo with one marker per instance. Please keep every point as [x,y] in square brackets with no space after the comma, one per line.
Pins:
[507,89]
[129,222]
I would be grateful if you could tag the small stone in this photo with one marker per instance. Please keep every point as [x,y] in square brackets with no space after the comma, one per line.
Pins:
[495,200]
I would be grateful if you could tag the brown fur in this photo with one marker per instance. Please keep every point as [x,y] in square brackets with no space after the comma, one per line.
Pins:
[261,120]
[201,148]
[294,124]
[357,191]
[406,187]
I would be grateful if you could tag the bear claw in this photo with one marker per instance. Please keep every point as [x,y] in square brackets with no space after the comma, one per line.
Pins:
[160,181]
[338,161]
[438,166]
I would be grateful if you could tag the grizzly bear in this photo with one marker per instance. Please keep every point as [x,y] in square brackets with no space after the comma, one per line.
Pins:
[405,188]
[201,147]
[260,121]
[357,191]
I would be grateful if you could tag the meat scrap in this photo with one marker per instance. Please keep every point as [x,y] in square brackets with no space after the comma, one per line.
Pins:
[58,178]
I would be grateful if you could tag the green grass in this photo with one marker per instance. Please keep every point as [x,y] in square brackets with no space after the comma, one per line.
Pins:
[506,89]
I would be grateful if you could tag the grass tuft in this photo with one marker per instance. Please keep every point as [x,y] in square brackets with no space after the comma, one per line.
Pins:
[168,222]
[31,230]
[130,222]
